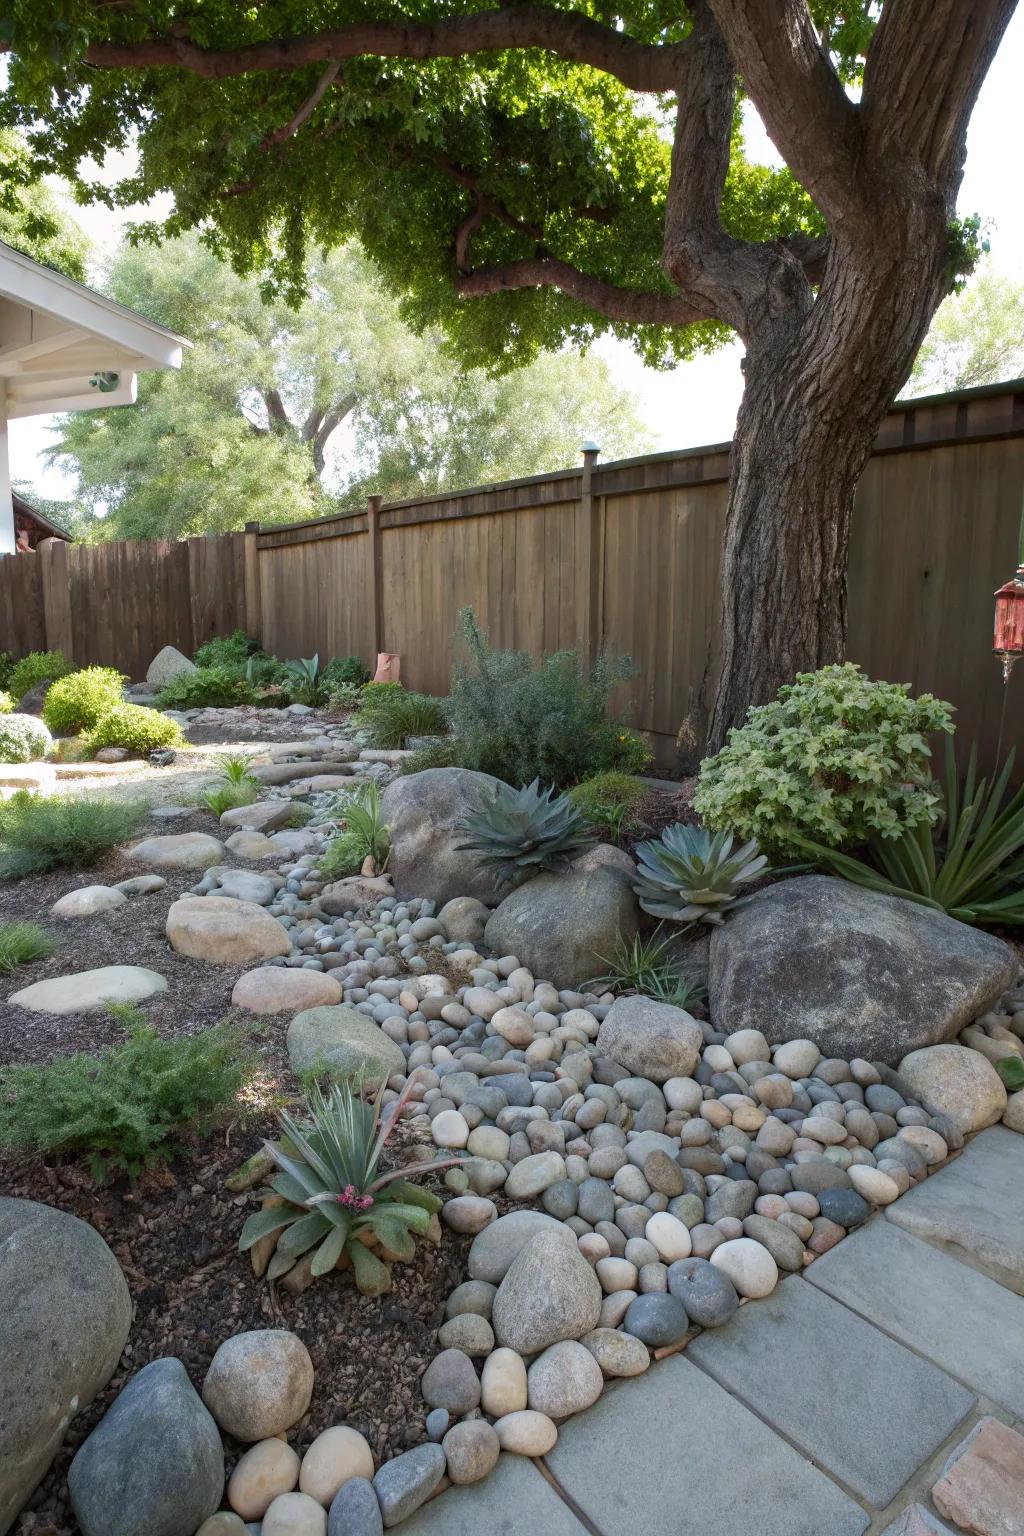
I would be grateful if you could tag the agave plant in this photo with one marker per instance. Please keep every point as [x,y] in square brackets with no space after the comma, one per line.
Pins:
[304,683]
[975,874]
[336,1198]
[690,875]
[523,831]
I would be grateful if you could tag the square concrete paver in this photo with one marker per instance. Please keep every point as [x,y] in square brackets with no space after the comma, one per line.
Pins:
[863,1406]
[965,1322]
[974,1209]
[515,1498]
[672,1452]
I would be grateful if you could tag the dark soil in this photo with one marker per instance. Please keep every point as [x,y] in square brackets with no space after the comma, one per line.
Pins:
[175,1235]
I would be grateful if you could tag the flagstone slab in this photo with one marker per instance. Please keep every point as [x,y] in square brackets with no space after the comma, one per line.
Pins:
[974,1207]
[952,1314]
[516,1497]
[863,1406]
[672,1452]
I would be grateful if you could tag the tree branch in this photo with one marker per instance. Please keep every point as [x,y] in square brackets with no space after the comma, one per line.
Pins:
[331,419]
[641,66]
[275,407]
[632,306]
[307,109]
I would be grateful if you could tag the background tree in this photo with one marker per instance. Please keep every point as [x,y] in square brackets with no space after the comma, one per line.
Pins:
[977,337]
[32,218]
[573,169]
[242,432]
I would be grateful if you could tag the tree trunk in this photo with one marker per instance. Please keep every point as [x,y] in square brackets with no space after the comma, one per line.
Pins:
[818,387]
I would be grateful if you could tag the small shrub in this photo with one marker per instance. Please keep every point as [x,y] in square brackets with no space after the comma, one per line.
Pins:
[44,831]
[343,696]
[21,943]
[235,786]
[231,650]
[138,729]
[614,803]
[524,831]
[521,720]
[439,754]
[75,702]
[363,835]
[388,717]
[690,875]
[210,688]
[23,738]
[127,1107]
[6,703]
[835,758]
[345,670]
[36,667]
[6,668]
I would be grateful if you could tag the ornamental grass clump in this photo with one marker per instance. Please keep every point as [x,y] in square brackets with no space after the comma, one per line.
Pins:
[522,832]
[389,714]
[75,702]
[614,803]
[835,758]
[21,943]
[690,875]
[235,785]
[40,832]
[335,1198]
[648,965]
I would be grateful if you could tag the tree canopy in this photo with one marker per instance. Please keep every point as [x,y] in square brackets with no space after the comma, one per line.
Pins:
[977,337]
[32,218]
[241,433]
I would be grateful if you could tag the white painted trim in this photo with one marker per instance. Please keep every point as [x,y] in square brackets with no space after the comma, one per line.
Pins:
[78,396]
[7,544]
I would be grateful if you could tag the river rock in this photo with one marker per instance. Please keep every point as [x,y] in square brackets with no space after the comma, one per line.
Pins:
[422,811]
[494,1249]
[407,1481]
[748,1265]
[336,1455]
[224,931]
[617,1353]
[153,1463]
[706,1292]
[64,1322]
[87,901]
[953,1080]
[503,1383]
[451,1382]
[560,925]
[86,991]
[471,1450]
[564,1380]
[650,1039]
[177,850]
[285,989]
[294,1514]
[355,1510]
[527,1432]
[464,919]
[858,972]
[259,1383]
[550,1293]
[261,816]
[166,665]
[268,1468]
[344,1040]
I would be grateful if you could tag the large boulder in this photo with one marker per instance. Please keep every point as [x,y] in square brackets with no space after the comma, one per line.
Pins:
[63,1324]
[344,1040]
[86,991]
[650,1039]
[154,1463]
[225,931]
[421,810]
[167,665]
[177,850]
[550,1293]
[564,927]
[858,972]
[955,1081]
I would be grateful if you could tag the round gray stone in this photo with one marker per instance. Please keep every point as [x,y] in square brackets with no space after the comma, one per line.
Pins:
[707,1294]
[657,1318]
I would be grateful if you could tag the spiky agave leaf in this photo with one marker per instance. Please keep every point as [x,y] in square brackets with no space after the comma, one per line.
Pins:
[524,831]
[691,875]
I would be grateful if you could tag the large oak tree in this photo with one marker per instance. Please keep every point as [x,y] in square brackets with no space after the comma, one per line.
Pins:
[537,172]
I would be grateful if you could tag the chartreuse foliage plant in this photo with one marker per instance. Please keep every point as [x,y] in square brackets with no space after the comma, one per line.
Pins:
[138,729]
[128,1107]
[835,758]
[690,875]
[216,687]
[40,832]
[6,703]
[339,1198]
[75,702]
[36,667]
[522,832]
[973,869]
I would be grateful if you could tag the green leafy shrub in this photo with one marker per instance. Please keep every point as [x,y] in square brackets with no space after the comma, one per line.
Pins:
[363,835]
[344,669]
[75,702]
[231,650]
[6,668]
[834,758]
[336,1198]
[690,875]
[614,803]
[127,1108]
[973,869]
[138,729]
[36,667]
[647,965]
[521,720]
[439,754]
[6,703]
[23,738]
[217,687]
[388,714]
[44,831]
[524,831]
[21,943]
[343,695]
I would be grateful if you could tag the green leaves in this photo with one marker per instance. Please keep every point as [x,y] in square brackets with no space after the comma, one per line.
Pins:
[691,876]
[524,831]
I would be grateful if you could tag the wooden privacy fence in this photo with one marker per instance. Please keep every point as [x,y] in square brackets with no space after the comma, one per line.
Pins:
[624,554]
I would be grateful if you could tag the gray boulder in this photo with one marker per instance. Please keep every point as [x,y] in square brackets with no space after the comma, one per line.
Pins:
[167,665]
[342,1039]
[64,1322]
[563,927]
[550,1293]
[493,1249]
[421,810]
[858,972]
[154,1462]
[650,1039]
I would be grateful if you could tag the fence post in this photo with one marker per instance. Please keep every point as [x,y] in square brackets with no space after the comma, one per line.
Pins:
[53,557]
[588,543]
[373,504]
[253,619]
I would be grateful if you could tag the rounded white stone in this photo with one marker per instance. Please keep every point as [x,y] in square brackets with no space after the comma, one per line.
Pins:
[87,900]
[295,1514]
[669,1236]
[748,1045]
[797,1058]
[503,1383]
[267,1469]
[526,1433]
[748,1265]
[873,1184]
[718,1059]
[683,1093]
[336,1455]
[616,1275]
[449,1129]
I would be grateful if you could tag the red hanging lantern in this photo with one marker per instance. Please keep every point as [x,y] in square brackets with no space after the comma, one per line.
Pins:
[1009,632]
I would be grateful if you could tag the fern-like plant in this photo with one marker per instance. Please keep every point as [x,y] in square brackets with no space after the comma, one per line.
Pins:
[690,875]
[524,831]
[338,1198]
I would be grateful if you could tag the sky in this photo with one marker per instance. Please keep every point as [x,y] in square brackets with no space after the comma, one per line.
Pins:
[696,403]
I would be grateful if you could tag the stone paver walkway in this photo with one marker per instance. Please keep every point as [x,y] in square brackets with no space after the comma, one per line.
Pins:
[830,1409]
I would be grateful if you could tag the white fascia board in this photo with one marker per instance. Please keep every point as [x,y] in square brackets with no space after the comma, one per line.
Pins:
[78,396]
